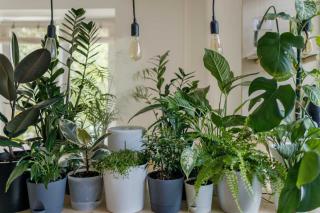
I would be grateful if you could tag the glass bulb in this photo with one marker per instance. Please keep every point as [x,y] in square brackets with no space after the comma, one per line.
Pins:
[135,49]
[216,43]
[51,46]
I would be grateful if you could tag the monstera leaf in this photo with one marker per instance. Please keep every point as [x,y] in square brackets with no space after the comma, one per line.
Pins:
[33,66]
[219,67]
[306,9]
[269,113]
[7,88]
[276,53]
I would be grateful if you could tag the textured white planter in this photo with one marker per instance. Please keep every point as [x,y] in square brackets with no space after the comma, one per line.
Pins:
[125,194]
[125,137]
[249,203]
[202,202]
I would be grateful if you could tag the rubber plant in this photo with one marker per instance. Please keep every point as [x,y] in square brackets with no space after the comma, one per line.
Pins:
[273,101]
[13,77]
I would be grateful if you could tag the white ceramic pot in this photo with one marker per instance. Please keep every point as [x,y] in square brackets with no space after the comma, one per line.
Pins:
[125,194]
[249,203]
[202,202]
[125,137]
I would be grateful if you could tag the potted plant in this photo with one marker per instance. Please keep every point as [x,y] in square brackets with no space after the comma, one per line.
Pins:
[124,180]
[85,183]
[13,78]
[280,55]
[169,134]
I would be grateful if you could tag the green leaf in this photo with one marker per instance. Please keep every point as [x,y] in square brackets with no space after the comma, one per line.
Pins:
[3,118]
[99,141]
[8,143]
[290,194]
[188,160]
[100,154]
[313,93]
[15,50]
[83,136]
[33,66]
[7,88]
[233,120]
[309,168]
[21,168]
[306,9]
[219,68]
[268,113]
[310,198]
[276,54]
[69,131]
[146,109]
[313,145]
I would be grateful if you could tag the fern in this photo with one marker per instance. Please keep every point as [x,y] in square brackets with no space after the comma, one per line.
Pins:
[232,183]
[243,173]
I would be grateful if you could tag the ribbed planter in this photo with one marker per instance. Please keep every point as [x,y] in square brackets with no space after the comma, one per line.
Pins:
[125,194]
[125,137]
[165,195]
[48,200]
[85,192]
[201,202]
[249,203]
[16,199]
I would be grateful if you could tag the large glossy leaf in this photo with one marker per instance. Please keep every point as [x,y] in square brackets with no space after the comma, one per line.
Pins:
[269,113]
[309,169]
[33,66]
[69,131]
[233,120]
[7,142]
[3,118]
[188,160]
[219,68]
[146,109]
[99,141]
[306,9]
[313,93]
[83,136]
[7,88]
[277,55]
[310,197]
[21,168]
[15,54]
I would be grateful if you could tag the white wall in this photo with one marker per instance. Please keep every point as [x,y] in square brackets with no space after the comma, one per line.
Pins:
[181,26]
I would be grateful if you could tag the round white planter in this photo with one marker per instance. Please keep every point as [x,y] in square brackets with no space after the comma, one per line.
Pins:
[125,194]
[202,202]
[125,137]
[249,203]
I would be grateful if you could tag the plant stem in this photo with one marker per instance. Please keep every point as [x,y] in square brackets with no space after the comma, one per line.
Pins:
[298,83]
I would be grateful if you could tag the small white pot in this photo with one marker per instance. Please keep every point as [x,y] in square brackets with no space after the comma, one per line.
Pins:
[125,137]
[202,202]
[125,194]
[249,203]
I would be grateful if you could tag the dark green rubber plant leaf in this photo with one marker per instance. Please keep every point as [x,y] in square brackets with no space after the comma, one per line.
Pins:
[276,54]
[33,66]
[306,9]
[7,88]
[310,198]
[268,112]
[313,93]
[219,68]
[309,168]
[15,54]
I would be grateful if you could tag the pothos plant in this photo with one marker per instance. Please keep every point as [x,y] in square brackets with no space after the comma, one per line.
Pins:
[297,140]
[13,76]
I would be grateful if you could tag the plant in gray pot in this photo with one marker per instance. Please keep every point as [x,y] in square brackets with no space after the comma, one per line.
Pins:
[85,183]
[124,175]
[13,78]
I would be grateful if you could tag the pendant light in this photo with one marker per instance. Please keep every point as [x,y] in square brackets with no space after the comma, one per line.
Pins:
[51,44]
[214,28]
[135,47]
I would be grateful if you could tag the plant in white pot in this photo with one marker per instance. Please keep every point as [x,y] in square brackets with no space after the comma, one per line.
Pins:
[124,180]
[85,183]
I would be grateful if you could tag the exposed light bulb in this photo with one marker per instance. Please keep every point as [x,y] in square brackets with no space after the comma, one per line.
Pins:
[51,46]
[215,43]
[135,48]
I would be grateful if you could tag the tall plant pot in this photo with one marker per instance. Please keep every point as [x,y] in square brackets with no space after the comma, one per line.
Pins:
[125,194]
[314,112]
[48,200]
[201,202]
[125,137]
[16,199]
[249,203]
[165,195]
[85,192]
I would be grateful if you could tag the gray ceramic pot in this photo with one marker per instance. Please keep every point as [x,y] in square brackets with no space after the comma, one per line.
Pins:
[85,193]
[47,200]
[165,195]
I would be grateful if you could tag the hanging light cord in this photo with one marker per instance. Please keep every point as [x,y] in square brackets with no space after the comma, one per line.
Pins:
[51,1]
[134,11]
[213,10]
